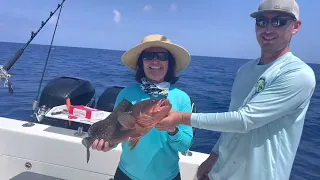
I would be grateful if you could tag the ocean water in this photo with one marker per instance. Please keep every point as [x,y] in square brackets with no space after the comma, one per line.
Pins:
[208,80]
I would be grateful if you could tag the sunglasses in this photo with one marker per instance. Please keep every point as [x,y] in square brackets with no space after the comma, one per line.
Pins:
[275,21]
[162,56]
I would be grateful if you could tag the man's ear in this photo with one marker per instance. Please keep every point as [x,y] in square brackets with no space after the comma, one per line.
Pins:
[296,27]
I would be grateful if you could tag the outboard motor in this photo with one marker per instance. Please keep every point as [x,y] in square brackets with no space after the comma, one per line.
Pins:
[80,92]
[108,98]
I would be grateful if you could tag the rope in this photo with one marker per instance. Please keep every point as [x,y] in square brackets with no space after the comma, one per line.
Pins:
[45,66]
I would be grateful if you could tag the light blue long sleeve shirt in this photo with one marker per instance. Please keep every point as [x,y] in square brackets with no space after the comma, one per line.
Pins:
[156,155]
[262,130]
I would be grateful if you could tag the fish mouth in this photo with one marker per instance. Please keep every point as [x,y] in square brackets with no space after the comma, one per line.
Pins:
[164,103]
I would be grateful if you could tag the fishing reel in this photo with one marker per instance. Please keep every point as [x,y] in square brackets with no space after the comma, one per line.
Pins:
[4,75]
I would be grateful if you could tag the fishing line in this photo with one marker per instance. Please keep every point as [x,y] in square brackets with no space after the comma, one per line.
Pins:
[45,65]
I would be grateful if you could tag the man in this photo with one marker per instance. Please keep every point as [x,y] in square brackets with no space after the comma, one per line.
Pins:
[269,100]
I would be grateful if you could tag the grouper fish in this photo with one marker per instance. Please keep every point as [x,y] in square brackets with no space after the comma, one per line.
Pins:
[127,122]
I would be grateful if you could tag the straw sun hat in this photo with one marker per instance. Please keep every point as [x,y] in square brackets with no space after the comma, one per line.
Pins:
[182,57]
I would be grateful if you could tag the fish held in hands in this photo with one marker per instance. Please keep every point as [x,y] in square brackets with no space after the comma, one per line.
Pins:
[127,123]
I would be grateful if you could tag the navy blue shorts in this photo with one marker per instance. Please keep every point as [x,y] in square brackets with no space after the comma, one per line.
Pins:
[122,176]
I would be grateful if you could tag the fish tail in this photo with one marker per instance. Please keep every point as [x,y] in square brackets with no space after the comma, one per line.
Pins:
[133,142]
[88,154]
[87,142]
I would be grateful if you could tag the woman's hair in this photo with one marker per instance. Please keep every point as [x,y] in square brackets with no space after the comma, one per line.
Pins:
[169,77]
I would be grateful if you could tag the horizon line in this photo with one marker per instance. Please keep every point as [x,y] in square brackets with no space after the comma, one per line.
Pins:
[194,55]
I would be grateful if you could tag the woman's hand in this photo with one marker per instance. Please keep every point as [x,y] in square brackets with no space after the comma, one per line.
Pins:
[100,145]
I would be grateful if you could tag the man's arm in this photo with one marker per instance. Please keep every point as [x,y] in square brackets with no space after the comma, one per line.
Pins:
[286,94]
[182,140]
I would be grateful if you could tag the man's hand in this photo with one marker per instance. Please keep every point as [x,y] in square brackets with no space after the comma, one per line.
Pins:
[169,123]
[206,166]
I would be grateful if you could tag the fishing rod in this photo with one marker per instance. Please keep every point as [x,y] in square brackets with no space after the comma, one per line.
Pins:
[4,75]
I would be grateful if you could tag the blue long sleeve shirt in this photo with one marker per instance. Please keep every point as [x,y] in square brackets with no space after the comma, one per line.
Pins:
[156,155]
[262,130]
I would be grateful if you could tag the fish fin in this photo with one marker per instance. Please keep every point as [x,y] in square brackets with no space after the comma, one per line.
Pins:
[123,106]
[87,142]
[142,130]
[123,128]
[133,142]
[88,155]
[126,120]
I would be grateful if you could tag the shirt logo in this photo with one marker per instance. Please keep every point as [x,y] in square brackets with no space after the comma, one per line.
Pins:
[260,84]
[286,8]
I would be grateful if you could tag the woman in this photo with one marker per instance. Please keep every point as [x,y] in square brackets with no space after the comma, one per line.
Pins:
[155,60]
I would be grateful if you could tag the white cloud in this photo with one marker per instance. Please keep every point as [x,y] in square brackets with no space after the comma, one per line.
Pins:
[147,8]
[173,7]
[116,16]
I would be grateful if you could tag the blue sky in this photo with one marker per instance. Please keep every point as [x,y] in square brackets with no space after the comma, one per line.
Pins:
[218,28]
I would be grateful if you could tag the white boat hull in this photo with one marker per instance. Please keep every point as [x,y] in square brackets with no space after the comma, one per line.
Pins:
[47,152]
